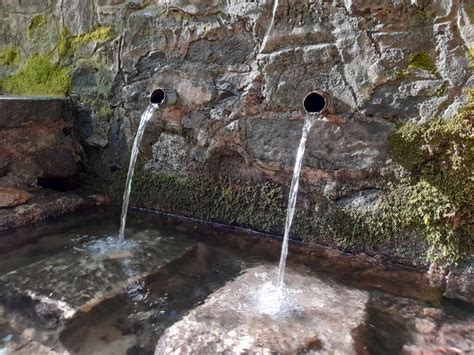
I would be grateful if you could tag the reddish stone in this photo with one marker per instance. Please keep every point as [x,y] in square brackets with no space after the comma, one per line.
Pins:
[11,197]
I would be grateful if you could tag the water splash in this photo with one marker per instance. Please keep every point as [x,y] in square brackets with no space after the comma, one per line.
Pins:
[146,116]
[270,27]
[308,123]
[108,246]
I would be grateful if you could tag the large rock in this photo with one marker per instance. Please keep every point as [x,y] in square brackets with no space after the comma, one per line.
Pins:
[57,288]
[11,197]
[460,282]
[316,316]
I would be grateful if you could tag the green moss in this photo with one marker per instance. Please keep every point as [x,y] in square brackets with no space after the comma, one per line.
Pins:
[434,195]
[36,23]
[69,43]
[260,205]
[65,43]
[422,60]
[100,34]
[10,55]
[39,76]
[101,108]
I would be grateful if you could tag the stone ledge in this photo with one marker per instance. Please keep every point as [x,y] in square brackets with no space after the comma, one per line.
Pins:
[18,111]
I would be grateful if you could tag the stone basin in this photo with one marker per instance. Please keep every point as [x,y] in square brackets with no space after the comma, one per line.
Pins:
[58,287]
[321,316]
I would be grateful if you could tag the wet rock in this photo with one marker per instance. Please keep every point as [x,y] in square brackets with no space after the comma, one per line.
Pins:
[57,288]
[43,205]
[320,316]
[328,144]
[11,197]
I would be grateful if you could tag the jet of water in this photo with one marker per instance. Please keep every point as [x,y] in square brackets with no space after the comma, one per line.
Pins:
[270,27]
[308,123]
[146,116]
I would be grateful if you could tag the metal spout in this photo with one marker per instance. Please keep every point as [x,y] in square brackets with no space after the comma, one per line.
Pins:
[317,102]
[164,97]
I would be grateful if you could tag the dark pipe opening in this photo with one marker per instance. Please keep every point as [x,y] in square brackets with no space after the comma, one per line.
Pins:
[158,96]
[315,102]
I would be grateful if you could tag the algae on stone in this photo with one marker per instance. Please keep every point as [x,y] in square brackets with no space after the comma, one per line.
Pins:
[39,76]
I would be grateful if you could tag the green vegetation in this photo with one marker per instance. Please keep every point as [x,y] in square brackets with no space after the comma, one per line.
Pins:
[10,55]
[69,43]
[38,76]
[100,34]
[259,205]
[433,193]
[101,108]
[64,44]
[41,74]
[420,60]
[35,24]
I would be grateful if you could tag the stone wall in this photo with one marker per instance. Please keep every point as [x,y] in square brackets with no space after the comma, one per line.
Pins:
[239,112]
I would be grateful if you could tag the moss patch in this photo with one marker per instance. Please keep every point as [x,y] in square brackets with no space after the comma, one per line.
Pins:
[259,205]
[36,23]
[39,76]
[433,194]
[10,55]
[101,108]
[419,61]
[422,60]
[100,34]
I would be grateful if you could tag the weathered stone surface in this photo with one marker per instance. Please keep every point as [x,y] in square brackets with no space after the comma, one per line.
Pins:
[37,146]
[170,155]
[11,197]
[78,15]
[21,111]
[320,316]
[43,205]
[56,288]
[460,282]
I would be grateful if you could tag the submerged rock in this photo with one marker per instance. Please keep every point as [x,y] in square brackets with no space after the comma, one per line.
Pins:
[315,315]
[11,197]
[77,280]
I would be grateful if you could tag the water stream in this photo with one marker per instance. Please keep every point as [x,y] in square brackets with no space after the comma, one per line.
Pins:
[270,27]
[146,116]
[308,123]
